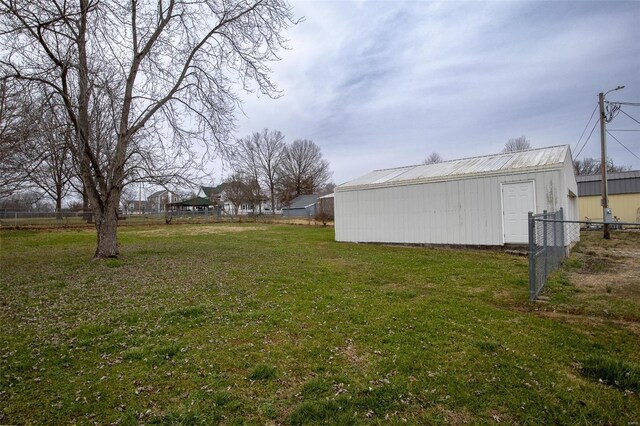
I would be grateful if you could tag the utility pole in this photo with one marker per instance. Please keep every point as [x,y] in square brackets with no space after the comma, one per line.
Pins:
[603,160]
[603,164]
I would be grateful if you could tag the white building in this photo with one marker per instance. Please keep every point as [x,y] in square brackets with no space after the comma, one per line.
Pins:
[473,201]
[218,197]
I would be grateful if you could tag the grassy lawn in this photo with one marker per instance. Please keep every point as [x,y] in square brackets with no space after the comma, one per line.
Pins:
[256,324]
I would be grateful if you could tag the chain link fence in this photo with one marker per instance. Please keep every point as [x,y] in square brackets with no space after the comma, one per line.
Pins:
[551,238]
[68,219]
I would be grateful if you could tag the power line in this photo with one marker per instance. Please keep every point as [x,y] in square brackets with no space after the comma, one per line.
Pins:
[630,116]
[586,125]
[624,130]
[625,103]
[588,137]
[623,145]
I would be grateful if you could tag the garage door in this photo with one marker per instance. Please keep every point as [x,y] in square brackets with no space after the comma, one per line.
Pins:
[517,201]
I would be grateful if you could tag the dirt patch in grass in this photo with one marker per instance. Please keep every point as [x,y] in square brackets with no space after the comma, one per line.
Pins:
[591,320]
[456,417]
[197,230]
[600,279]
[610,267]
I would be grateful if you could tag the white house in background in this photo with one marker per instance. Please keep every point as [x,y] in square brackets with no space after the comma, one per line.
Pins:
[219,201]
[472,201]
[159,201]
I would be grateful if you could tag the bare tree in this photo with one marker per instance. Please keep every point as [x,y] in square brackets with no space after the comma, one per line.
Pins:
[517,144]
[253,194]
[327,188]
[235,191]
[591,166]
[27,200]
[51,167]
[433,158]
[16,143]
[246,165]
[304,171]
[261,154]
[163,72]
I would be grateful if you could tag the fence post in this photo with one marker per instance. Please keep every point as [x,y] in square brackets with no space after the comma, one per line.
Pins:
[555,253]
[532,254]
[562,231]
[545,243]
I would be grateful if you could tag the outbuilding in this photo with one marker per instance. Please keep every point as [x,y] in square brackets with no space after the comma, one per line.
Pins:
[479,201]
[623,191]
[301,206]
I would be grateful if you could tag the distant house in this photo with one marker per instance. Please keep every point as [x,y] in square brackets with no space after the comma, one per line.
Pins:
[220,202]
[213,193]
[136,206]
[267,208]
[624,195]
[215,196]
[159,201]
[301,206]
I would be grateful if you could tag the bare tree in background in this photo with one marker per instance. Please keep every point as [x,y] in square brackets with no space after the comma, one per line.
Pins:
[517,144]
[591,166]
[245,164]
[235,191]
[304,171]
[253,194]
[26,200]
[327,188]
[262,153]
[163,71]
[15,138]
[51,167]
[433,158]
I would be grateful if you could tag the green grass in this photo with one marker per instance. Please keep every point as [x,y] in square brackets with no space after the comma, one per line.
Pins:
[260,324]
[263,372]
[613,372]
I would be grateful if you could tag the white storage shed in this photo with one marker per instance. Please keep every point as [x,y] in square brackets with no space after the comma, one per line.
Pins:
[481,201]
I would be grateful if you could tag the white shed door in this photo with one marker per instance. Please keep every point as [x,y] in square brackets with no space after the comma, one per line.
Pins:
[517,202]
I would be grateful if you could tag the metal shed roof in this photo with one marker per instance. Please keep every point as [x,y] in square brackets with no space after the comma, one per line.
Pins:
[617,183]
[302,201]
[523,161]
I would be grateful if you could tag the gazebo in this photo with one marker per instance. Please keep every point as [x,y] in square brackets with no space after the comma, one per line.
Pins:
[194,203]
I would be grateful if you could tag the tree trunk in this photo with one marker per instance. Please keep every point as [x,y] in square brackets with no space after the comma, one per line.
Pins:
[58,202]
[107,226]
[87,216]
[273,199]
[58,207]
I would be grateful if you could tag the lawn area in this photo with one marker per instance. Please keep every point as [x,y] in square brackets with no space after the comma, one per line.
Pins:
[279,324]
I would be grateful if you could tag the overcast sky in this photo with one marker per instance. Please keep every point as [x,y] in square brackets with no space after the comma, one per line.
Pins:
[379,84]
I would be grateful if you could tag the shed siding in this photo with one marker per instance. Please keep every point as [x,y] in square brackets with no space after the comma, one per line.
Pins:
[570,204]
[463,211]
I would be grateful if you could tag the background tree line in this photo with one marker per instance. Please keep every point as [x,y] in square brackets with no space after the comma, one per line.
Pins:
[264,164]
[129,90]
